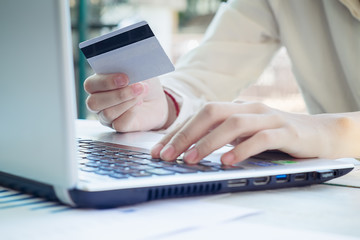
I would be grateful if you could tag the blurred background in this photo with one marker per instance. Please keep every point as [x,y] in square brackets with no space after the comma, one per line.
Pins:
[179,25]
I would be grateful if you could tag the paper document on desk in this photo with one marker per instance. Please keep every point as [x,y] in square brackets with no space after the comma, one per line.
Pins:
[39,219]
[240,230]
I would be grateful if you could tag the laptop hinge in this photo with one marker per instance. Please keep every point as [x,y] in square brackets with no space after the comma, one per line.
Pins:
[63,195]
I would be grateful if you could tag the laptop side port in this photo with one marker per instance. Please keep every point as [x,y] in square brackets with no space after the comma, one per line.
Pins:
[325,174]
[282,178]
[261,181]
[298,177]
[237,183]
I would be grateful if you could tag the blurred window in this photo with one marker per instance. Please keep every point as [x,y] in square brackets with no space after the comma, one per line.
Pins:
[179,25]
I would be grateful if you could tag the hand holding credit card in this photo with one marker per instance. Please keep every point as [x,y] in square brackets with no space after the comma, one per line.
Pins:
[133,50]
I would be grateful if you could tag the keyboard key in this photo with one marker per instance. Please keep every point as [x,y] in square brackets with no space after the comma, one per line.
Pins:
[92,164]
[262,163]
[98,154]
[102,172]
[88,169]
[142,167]
[157,164]
[88,141]
[112,150]
[140,174]
[125,170]
[126,158]
[82,160]
[126,164]
[201,168]
[210,164]
[143,161]
[107,168]
[160,171]
[226,167]
[144,156]
[117,175]
[93,158]
[180,169]
[108,161]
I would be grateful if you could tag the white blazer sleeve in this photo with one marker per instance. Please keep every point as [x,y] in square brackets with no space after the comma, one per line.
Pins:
[237,46]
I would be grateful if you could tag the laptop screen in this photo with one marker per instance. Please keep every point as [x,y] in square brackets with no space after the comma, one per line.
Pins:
[37,93]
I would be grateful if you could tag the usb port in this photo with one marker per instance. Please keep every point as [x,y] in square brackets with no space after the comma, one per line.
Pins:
[261,181]
[326,174]
[299,177]
[237,183]
[282,178]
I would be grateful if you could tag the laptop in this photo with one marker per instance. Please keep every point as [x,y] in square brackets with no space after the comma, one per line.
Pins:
[41,154]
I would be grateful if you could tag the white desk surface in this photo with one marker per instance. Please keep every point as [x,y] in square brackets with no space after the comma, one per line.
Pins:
[325,208]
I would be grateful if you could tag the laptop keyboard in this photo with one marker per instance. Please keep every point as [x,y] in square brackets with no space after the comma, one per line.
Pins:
[111,160]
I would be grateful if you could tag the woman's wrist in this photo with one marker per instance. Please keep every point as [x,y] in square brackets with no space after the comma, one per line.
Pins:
[173,109]
[341,134]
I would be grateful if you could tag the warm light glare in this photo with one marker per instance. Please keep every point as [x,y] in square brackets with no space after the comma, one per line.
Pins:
[72,3]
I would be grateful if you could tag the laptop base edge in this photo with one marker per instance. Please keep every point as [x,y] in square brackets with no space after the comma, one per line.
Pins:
[27,186]
[124,197]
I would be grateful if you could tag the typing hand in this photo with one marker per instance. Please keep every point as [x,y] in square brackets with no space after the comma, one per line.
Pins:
[253,128]
[137,107]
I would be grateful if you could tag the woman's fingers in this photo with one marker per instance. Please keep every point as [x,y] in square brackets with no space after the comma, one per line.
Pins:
[155,151]
[103,83]
[268,139]
[108,115]
[236,126]
[254,128]
[194,130]
[137,107]
[199,126]
[141,117]
[102,100]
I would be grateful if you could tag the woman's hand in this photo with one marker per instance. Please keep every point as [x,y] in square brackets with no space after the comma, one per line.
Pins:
[137,107]
[254,127]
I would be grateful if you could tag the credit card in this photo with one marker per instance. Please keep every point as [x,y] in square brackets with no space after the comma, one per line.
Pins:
[133,50]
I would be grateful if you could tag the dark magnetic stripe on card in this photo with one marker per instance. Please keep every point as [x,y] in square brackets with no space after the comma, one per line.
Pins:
[118,41]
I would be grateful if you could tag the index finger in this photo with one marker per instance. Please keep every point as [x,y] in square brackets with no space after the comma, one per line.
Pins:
[193,130]
[105,82]
[211,115]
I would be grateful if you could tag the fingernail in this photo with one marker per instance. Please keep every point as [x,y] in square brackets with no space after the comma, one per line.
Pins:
[155,151]
[228,158]
[191,155]
[120,81]
[137,88]
[168,152]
